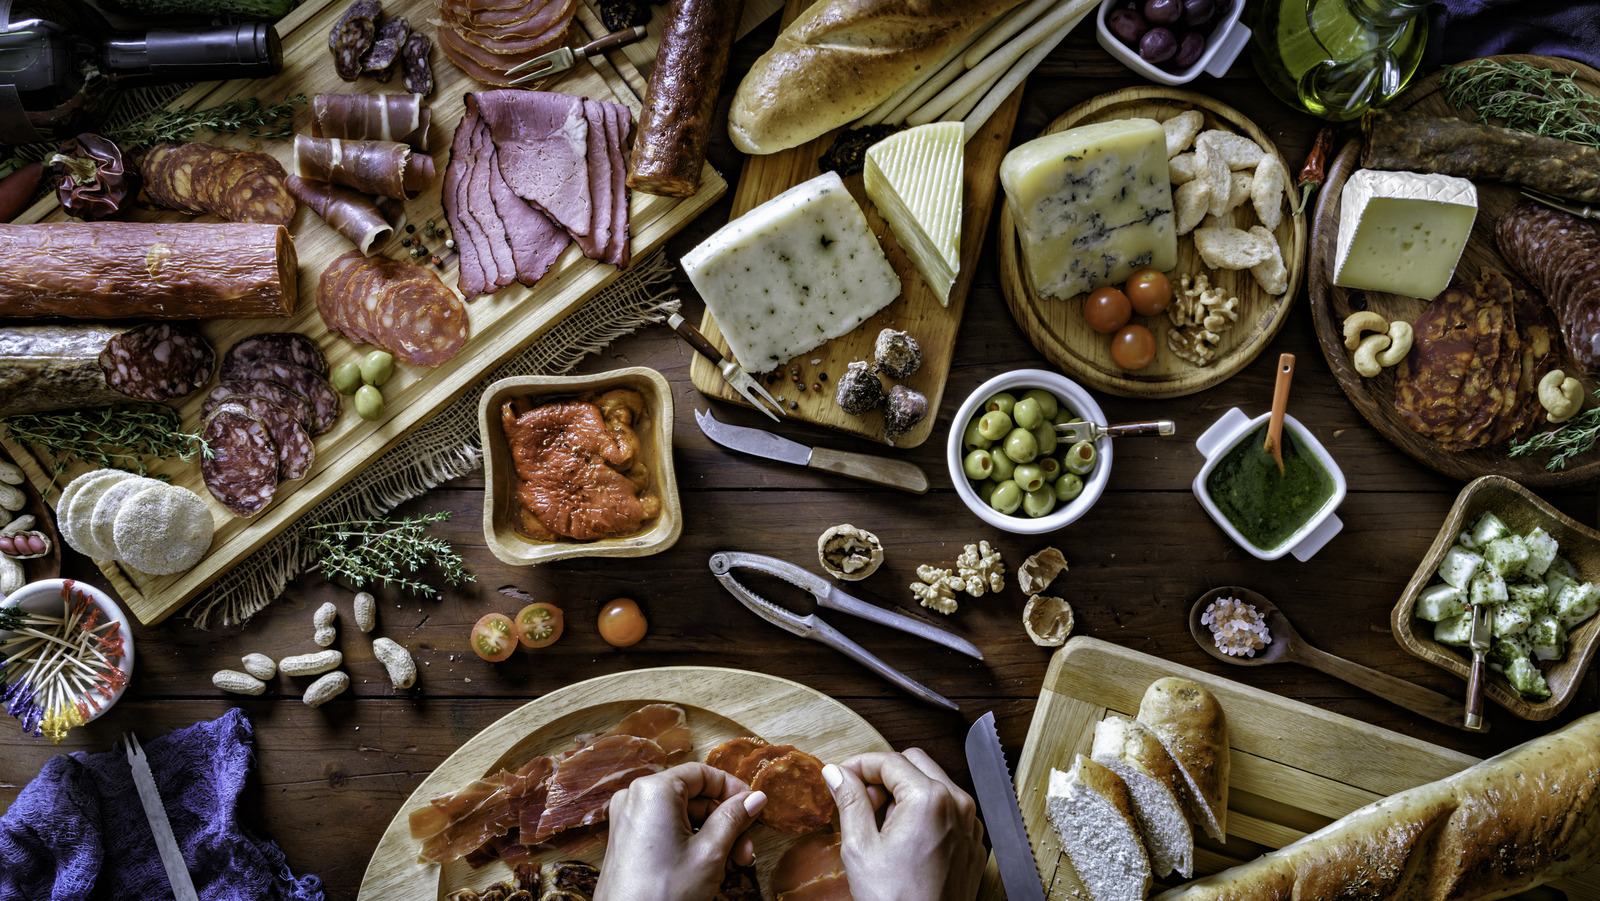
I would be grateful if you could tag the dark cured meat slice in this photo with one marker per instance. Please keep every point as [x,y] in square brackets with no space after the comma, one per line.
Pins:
[681,100]
[583,783]
[374,167]
[347,211]
[416,70]
[157,362]
[477,62]
[379,61]
[1560,255]
[619,126]
[372,117]
[480,206]
[424,323]
[296,452]
[542,142]
[352,37]
[328,290]
[242,471]
[798,801]
[54,367]
[240,186]
[305,382]
[536,242]
[278,393]
[471,277]
[594,244]
[292,347]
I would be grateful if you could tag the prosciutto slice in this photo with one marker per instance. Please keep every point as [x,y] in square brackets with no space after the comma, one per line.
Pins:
[582,786]
[388,168]
[348,212]
[372,117]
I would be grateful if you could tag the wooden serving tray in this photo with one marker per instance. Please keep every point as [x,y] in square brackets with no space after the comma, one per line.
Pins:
[722,704]
[500,324]
[1330,304]
[917,310]
[1295,768]
[1056,327]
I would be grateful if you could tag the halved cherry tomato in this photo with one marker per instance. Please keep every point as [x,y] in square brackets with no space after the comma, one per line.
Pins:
[494,637]
[1149,290]
[621,623]
[1106,309]
[1133,347]
[539,625]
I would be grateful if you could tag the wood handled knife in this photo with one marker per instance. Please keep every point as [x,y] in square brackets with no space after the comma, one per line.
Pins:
[877,470]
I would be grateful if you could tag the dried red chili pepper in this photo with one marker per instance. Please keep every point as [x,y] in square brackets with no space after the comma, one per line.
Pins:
[1315,171]
[92,180]
[18,189]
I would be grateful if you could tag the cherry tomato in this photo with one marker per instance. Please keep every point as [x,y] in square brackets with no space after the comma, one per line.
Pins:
[1133,347]
[1149,291]
[1106,310]
[538,625]
[621,623]
[494,637]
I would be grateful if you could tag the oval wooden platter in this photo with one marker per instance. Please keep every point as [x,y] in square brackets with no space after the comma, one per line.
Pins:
[1330,304]
[721,703]
[1056,327]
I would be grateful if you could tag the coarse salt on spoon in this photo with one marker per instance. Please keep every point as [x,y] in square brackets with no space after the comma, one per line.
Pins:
[1280,405]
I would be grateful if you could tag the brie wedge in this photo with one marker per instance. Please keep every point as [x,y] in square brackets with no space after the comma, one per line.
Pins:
[914,178]
[1402,232]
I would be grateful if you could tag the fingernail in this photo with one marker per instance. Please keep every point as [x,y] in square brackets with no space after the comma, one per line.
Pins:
[832,776]
[754,801]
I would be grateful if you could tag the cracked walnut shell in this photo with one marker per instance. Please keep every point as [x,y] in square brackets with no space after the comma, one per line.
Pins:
[849,553]
[1048,621]
[1038,571]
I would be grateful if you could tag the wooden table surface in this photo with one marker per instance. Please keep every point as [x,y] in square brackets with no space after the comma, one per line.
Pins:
[330,779]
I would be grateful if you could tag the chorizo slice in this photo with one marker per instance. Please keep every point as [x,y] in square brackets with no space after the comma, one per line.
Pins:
[157,362]
[756,759]
[242,470]
[798,800]
[1560,255]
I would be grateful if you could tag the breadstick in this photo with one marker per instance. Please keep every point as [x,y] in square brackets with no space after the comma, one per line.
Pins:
[1019,73]
[1015,21]
[1061,19]
[881,112]
[948,69]
[960,110]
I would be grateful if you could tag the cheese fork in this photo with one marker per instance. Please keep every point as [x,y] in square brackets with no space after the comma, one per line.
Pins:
[732,372]
[561,60]
[156,813]
[1565,206]
[1478,640]
[1094,431]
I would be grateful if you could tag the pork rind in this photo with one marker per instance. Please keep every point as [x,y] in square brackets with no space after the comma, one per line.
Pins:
[1271,273]
[1232,248]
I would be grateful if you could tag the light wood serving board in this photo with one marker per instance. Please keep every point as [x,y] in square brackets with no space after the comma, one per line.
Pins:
[1056,327]
[917,310]
[1294,768]
[721,703]
[500,324]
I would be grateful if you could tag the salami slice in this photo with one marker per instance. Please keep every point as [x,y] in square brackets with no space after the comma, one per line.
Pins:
[159,361]
[237,185]
[296,452]
[1560,255]
[758,758]
[401,308]
[352,37]
[379,61]
[728,755]
[242,471]
[306,383]
[416,70]
[798,801]
[291,347]
[282,395]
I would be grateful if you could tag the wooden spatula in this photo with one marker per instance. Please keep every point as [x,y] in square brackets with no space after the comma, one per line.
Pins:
[1280,403]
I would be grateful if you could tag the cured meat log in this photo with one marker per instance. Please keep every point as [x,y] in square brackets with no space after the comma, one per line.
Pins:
[237,185]
[158,362]
[122,270]
[347,211]
[65,367]
[675,126]
[401,308]
[388,168]
[1407,141]
[372,117]
[1560,255]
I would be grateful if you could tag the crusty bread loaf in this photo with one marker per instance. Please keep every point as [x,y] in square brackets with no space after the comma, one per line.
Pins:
[1129,749]
[1191,725]
[1093,815]
[841,58]
[1508,824]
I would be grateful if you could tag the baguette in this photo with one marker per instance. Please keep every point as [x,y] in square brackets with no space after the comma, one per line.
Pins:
[1092,813]
[1192,727]
[1129,749]
[839,59]
[1506,825]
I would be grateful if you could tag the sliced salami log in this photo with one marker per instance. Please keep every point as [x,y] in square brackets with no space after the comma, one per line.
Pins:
[352,37]
[728,755]
[242,471]
[278,393]
[401,308]
[388,168]
[347,211]
[675,125]
[123,270]
[54,367]
[1560,255]
[158,362]
[237,185]
[304,382]
[291,347]
[296,452]
[372,117]
[416,70]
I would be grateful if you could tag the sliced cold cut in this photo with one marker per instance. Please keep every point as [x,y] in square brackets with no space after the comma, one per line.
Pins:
[401,308]
[55,367]
[304,382]
[237,185]
[242,471]
[347,211]
[291,347]
[388,168]
[372,117]
[542,139]
[157,362]
[280,394]
[296,452]
[1560,255]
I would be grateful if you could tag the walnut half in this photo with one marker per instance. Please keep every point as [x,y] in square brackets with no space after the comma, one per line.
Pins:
[849,553]
[1048,621]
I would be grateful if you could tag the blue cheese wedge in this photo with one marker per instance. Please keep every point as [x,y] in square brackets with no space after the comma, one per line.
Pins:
[1092,205]
[1402,232]
[801,269]
[914,178]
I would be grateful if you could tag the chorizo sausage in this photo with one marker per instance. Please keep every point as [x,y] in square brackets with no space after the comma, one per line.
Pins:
[1560,255]
[675,125]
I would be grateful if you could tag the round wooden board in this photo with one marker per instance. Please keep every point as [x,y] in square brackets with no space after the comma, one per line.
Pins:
[721,703]
[1056,327]
[1374,397]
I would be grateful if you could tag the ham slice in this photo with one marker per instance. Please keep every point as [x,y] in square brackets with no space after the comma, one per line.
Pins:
[543,142]
[581,789]
[498,265]
[598,240]
[665,724]
[347,211]
[619,126]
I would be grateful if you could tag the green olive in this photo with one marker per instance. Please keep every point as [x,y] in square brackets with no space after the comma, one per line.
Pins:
[1068,487]
[1045,434]
[1051,467]
[1040,502]
[346,378]
[376,367]
[1004,466]
[986,491]
[994,425]
[1007,497]
[1002,402]
[1062,415]
[1048,405]
[972,438]
[369,402]
[1080,457]
[1029,477]
[978,464]
[1026,413]
[1021,446]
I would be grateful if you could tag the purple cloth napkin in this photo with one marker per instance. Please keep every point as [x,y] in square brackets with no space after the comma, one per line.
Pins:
[78,832]
[1467,29]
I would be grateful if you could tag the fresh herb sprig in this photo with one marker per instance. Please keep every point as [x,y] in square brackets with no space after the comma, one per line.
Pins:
[1526,98]
[385,551]
[247,117]
[123,436]
[1575,436]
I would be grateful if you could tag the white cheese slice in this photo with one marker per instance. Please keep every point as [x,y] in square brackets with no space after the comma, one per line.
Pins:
[914,178]
[1092,205]
[798,270]
[1402,232]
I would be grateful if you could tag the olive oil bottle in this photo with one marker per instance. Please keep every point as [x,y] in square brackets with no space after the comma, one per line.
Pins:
[1336,58]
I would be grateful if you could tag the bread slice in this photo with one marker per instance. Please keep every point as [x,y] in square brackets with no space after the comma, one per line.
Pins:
[1093,815]
[1190,724]
[1129,749]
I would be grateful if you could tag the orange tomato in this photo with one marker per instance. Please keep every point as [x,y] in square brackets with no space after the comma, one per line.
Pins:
[1149,291]
[622,624]
[1133,347]
[539,625]
[1106,309]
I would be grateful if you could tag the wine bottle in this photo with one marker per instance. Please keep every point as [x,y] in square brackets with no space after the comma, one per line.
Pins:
[61,63]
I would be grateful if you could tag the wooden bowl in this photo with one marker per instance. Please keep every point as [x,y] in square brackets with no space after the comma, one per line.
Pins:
[1521,510]
[500,479]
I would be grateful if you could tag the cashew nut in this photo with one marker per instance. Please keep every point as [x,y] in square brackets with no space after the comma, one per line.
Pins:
[1364,321]
[1400,337]
[1366,356]
[1561,396]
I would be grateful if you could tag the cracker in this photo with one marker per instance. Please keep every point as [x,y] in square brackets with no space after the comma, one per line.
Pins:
[1238,151]
[1232,248]
[1267,189]
[1211,168]
[105,512]
[1190,203]
[78,513]
[1181,169]
[1271,273]
[1181,130]
[163,529]
[1238,191]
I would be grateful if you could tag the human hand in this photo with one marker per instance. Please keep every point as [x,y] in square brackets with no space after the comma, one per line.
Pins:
[654,853]
[930,846]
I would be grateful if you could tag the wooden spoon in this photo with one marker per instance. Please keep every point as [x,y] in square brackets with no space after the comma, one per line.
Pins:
[1287,645]
[1280,404]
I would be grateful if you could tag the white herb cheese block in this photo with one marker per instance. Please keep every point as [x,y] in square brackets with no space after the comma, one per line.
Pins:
[1092,205]
[1402,232]
[914,178]
[798,270]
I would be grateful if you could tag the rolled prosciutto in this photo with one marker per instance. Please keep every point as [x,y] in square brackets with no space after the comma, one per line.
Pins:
[387,168]
[348,212]
[372,117]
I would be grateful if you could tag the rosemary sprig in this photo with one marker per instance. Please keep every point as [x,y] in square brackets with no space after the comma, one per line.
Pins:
[116,437]
[1526,98]
[1573,437]
[363,551]
[248,117]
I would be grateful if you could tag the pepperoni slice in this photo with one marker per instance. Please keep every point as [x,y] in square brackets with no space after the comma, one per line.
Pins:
[798,801]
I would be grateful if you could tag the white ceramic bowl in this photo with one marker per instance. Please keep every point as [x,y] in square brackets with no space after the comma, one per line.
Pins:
[1223,45]
[1223,436]
[44,596]
[1067,391]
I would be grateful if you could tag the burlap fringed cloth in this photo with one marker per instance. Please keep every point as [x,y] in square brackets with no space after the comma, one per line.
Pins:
[445,448]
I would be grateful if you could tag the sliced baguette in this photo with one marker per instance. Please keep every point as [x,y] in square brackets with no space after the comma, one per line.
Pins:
[1155,783]
[1093,815]
[1190,724]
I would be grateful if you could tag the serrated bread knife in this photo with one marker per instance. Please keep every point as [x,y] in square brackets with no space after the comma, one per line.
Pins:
[1002,816]
[877,470]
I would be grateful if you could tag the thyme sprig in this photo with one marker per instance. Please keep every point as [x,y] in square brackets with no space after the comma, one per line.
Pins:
[1573,437]
[122,436]
[385,551]
[247,117]
[1526,98]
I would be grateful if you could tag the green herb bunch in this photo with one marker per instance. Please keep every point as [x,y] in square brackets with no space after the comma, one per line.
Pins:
[123,436]
[247,117]
[1526,98]
[1573,437]
[385,551]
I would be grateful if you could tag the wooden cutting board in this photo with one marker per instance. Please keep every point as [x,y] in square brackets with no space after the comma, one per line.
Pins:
[917,310]
[1295,768]
[721,703]
[500,324]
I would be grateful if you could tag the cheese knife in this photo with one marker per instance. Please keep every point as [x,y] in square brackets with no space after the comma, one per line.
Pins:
[1002,816]
[156,813]
[1478,640]
[877,470]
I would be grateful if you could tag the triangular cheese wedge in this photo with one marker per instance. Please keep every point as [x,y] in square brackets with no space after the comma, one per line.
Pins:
[914,178]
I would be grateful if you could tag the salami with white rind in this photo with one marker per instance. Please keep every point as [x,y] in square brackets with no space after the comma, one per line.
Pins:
[157,362]
[304,382]
[54,367]
[242,471]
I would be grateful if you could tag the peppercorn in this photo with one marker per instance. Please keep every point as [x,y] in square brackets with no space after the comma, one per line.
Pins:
[438,262]
[410,229]
[793,405]
[450,243]
[816,386]
[405,242]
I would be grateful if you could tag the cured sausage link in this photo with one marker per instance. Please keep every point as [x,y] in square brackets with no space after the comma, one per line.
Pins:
[1560,255]
[675,126]
[124,270]
[54,367]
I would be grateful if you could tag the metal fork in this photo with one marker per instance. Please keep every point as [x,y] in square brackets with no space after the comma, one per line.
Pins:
[565,58]
[1565,206]
[732,372]
[156,813]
